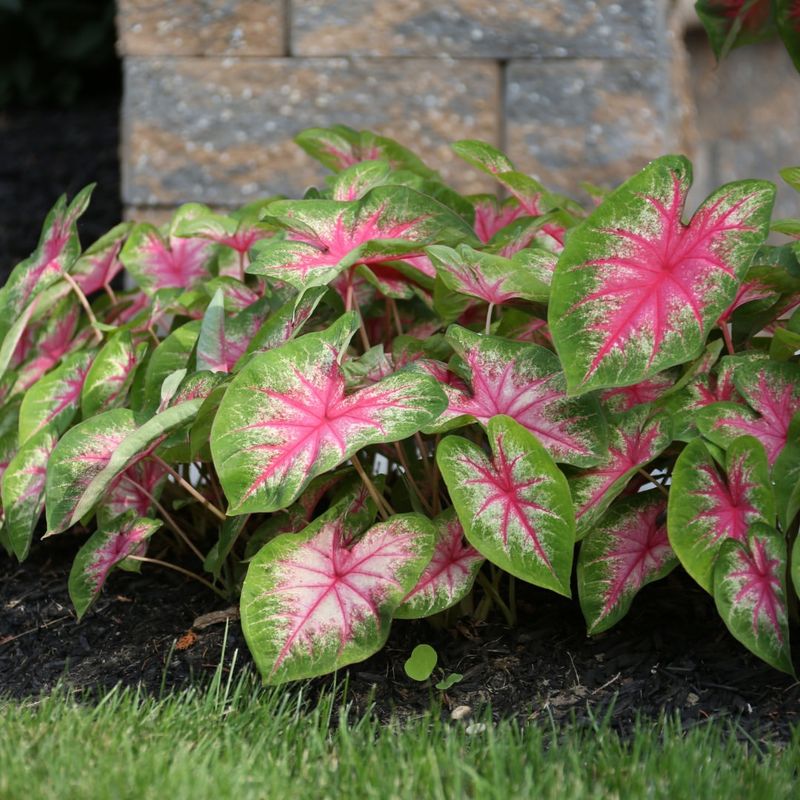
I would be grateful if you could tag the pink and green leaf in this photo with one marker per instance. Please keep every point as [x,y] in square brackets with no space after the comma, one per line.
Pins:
[111,374]
[100,263]
[750,593]
[514,504]
[172,354]
[327,236]
[159,262]
[55,253]
[81,453]
[449,576]
[493,279]
[637,290]
[196,221]
[526,383]
[54,399]
[634,441]
[786,477]
[106,549]
[285,418]
[136,489]
[709,505]
[772,392]
[23,489]
[731,23]
[624,552]
[314,602]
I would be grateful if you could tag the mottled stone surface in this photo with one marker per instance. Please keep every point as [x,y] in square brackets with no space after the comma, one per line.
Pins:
[479,29]
[201,27]
[586,120]
[220,130]
[748,118]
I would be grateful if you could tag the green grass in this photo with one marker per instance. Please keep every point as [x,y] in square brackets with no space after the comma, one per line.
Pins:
[245,742]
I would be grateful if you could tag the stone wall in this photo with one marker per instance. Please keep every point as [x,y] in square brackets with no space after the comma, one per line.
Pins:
[216,89]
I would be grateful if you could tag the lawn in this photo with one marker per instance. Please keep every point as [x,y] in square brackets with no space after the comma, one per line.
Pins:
[243,741]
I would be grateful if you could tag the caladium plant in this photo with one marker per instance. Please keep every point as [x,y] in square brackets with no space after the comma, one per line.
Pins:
[387,401]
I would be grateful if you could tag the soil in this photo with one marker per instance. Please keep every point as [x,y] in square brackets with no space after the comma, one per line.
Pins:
[45,152]
[670,654]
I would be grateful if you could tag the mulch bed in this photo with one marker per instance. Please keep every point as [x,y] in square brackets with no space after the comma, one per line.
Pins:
[670,654]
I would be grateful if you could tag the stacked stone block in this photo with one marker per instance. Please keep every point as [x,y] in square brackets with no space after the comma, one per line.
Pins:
[215,89]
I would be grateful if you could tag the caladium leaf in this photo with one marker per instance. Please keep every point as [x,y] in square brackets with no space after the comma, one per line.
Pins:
[355,181]
[750,593]
[111,374]
[449,576]
[731,23]
[314,602]
[156,262]
[172,354]
[493,279]
[625,551]
[786,477]
[54,399]
[772,392]
[795,567]
[91,456]
[708,506]
[328,236]
[515,506]
[525,382]
[79,456]
[228,534]
[223,340]
[284,324]
[339,147]
[100,263]
[23,489]
[634,441]
[57,249]
[624,398]
[106,549]
[285,418]
[196,221]
[135,489]
[636,290]
[491,216]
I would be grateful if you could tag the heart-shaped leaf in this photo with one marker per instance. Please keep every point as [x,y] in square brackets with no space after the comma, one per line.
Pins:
[100,263]
[636,290]
[448,577]
[23,489]
[493,279]
[634,441]
[327,236]
[772,392]
[54,399]
[136,489]
[223,340]
[524,382]
[313,602]
[55,253]
[159,262]
[707,505]
[420,664]
[515,506]
[625,551]
[111,374]
[107,548]
[750,593]
[285,418]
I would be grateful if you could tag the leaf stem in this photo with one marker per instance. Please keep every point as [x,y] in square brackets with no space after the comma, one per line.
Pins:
[396,315]
[650,479]
[726,335]
[407,470]
[82,299]
[384,509]
[183,571]
[204,501]
[362,330]
[495,595]
[488,326]
[168,518]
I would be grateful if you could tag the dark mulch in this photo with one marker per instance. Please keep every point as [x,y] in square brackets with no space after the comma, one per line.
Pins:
[46,152]
[671,653]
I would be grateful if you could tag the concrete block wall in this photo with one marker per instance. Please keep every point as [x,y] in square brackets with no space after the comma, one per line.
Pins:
[215,89]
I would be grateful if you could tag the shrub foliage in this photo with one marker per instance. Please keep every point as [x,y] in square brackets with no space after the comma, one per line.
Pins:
[342,407]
